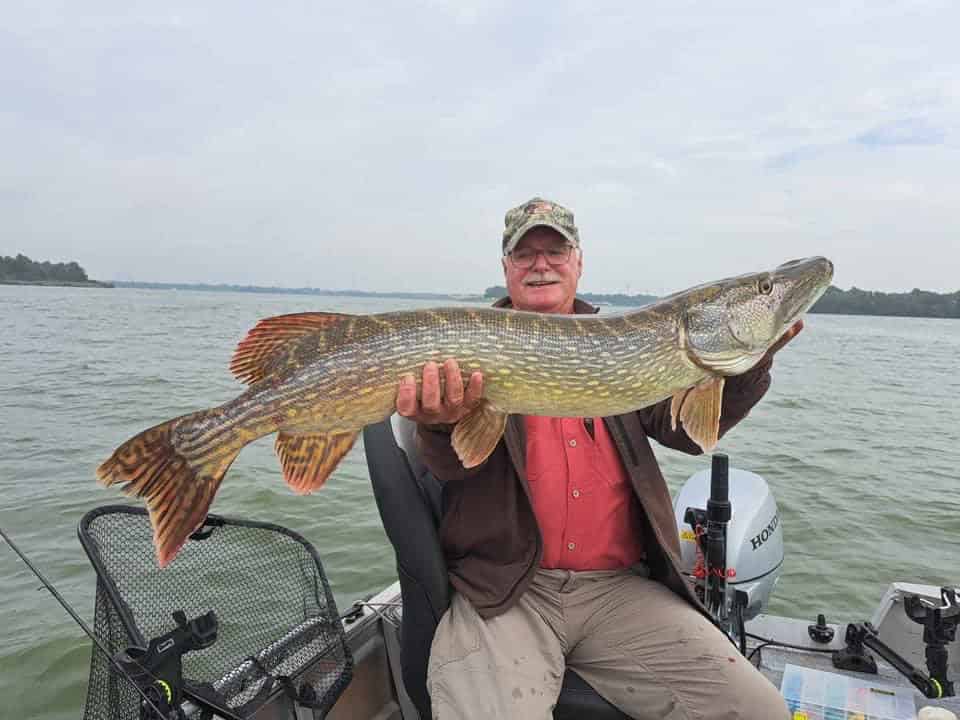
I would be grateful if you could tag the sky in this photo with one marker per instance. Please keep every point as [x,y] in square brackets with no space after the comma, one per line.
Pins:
[377,146]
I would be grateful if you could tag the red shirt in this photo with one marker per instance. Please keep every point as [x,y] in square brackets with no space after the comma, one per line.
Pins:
[582,497]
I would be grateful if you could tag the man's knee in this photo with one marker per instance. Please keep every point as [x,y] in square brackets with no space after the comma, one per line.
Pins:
[506,667]
[759,699]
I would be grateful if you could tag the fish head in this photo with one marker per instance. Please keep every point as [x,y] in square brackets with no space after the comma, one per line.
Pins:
[729,325]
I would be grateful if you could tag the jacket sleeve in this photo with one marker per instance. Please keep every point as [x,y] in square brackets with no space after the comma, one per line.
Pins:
[437,453]
[740,394]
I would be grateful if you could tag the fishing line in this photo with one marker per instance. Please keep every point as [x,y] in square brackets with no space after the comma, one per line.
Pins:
[66,606]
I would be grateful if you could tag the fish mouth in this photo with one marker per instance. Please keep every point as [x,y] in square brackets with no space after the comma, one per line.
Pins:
[807,280]
[819,268]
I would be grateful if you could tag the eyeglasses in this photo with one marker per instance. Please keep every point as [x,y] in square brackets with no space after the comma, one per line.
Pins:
[526,258]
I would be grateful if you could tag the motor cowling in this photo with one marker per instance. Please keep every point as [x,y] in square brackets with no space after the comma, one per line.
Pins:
[754,535]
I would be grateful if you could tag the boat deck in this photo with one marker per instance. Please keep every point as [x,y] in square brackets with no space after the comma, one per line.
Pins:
[794,632]
[374,635]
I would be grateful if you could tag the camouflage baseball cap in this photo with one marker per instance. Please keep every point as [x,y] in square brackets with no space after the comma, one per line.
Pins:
[534,212]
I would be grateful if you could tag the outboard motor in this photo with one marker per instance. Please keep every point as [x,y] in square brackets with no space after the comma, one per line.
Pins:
[754,539]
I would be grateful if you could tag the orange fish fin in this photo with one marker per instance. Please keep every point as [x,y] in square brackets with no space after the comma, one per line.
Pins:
[256,352]
[178,489]
[676,403]
[308,460]
[478,433]
[699,412]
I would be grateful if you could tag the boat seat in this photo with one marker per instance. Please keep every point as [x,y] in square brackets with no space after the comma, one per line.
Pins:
[409,500]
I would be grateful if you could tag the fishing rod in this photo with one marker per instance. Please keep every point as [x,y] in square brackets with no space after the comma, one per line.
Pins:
[86,628]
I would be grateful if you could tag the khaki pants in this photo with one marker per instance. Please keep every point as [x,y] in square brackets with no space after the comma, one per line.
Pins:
[643,648]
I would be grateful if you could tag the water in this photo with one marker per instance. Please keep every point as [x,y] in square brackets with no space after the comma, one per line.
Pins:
[859,438]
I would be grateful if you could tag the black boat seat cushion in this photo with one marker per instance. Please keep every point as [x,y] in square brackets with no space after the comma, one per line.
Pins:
[409,501]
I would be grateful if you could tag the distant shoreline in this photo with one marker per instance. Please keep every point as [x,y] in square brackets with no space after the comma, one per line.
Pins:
[834,302]
[60,283]
[204,287]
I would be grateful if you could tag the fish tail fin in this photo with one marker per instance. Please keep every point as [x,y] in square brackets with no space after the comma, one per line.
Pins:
[176,467]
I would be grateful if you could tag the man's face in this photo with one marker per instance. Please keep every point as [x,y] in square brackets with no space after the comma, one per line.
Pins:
[543,287]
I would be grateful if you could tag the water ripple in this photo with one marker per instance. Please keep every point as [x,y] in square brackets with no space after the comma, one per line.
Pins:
[859,445]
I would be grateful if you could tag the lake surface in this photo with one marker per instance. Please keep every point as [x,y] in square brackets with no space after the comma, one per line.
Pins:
[859,438]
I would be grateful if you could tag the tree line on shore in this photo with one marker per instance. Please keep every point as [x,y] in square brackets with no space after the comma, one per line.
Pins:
[23,269]
[916,303]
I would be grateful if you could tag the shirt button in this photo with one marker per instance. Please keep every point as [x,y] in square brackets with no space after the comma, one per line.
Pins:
[576,493]
[573,443]
[571,546]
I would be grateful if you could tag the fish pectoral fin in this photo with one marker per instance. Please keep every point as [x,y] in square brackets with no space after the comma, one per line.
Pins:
[478,433]
[676,403]
[259,349]
[308,460]
[698,410]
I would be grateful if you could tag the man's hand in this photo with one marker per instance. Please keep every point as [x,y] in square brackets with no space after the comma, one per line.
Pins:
[785,338]
[437,407]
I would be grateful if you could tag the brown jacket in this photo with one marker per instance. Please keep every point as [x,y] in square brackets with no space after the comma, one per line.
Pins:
[489,532]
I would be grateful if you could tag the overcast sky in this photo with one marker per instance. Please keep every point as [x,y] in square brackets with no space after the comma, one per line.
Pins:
[307,144]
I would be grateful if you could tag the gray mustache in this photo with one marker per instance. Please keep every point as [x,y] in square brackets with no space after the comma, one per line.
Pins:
[541,278]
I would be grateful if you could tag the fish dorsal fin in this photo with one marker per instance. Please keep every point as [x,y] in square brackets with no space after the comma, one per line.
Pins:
[698,409]
[478,433]
[308,460]
[255,353]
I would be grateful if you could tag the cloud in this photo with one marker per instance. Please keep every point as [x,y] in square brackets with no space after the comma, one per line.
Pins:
[909,131]
[311,144]
[792,158]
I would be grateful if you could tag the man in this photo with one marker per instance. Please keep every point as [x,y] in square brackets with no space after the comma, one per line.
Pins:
[562,548]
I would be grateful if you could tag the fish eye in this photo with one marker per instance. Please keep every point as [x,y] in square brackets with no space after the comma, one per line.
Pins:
[765,286]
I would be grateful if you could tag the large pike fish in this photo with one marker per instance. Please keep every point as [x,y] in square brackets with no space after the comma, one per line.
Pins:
[318,378]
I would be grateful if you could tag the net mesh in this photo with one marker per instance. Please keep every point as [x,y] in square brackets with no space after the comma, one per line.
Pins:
[275,611]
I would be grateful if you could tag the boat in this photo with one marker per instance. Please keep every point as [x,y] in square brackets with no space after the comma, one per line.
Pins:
[243,624]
